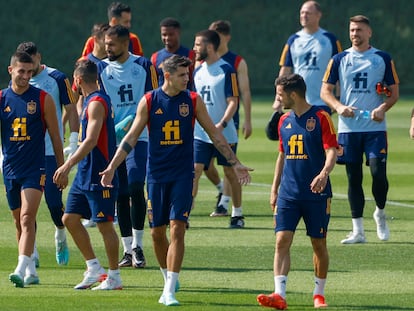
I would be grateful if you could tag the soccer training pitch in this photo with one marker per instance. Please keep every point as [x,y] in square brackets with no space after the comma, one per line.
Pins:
[225,269]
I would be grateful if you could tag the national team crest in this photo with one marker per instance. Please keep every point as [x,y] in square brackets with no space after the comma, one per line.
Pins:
[184,110]
[310,124]
[31,107]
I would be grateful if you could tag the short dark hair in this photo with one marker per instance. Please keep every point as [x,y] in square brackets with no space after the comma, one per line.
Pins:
[170,22]
[20,57]
[172,63]
[28,47]
[118,30]
[292,83]
[210,36]
[115,9]
[87,70]
[221,26]
[98,30]
[360,19]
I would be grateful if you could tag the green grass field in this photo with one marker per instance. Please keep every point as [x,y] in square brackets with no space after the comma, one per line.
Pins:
[225,269]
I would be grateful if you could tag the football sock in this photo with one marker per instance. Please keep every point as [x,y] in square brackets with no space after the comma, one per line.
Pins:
[319,286]
[379,211]
[358,225]
[127,244]
[169,287]
[236,211]
[22,263]
[219,186]
[224,201]
[60,234]
[31,266]
[164,274]
[93,264]
[280,285]
[115,274]
[137,236]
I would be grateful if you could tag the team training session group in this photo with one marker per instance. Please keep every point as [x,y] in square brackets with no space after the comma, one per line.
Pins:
[143,130]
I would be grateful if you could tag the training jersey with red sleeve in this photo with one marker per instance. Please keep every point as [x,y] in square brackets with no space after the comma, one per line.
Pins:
[87,176]
[22,132]
[170,130]
[303,140]
[158,57]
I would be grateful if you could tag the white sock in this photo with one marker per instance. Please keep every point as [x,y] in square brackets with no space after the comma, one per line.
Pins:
[164,274]
[35,252]
[219,186]
[236,211]
[22,263]
[93,264]
[280,285]
[379,212]
[169,287]
[358,225]
[60,234]
[137,236]
[319,286]
[31,266]
[115,274]
[224,201]
[127,244]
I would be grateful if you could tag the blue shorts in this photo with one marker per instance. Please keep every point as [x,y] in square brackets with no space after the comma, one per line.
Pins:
[136,163]
[352,146]
[315,214]
[204,152]
[98,206]
[169,201]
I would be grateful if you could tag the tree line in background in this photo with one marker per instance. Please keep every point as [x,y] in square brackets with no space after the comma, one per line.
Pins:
[260,28]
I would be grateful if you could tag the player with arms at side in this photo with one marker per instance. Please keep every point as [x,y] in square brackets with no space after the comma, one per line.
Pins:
[301,187]
[25,114]
[170,113]
[361,121]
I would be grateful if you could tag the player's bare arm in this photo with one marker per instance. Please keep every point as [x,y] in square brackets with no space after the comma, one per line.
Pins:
[96,116]
[319,182]
[244,88]
[53,130]
[220,143]
[232,103]
[329,98]
[280,161]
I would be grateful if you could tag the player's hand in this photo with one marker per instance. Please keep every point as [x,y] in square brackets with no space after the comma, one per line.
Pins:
[242,173]
[247,129]
[378,115]
[346,111]
[318,184]
[106,177]
[61,176]
[273,199]
[277,105]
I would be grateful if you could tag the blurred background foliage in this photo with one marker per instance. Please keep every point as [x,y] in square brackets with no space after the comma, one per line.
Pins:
[260,28]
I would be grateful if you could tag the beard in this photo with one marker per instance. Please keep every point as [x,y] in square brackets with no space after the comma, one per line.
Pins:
[113,57]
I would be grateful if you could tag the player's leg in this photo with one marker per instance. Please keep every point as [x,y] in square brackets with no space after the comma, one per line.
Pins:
[53,197]
[203,153]
[377,155]
[352,146]
[136,170]
[77,207]
[124,216]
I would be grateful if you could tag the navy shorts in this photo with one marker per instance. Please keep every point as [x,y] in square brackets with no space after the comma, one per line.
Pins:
[169,201]
[204,152]
[15,186]
[98,206]
[315,214]
[352,146]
